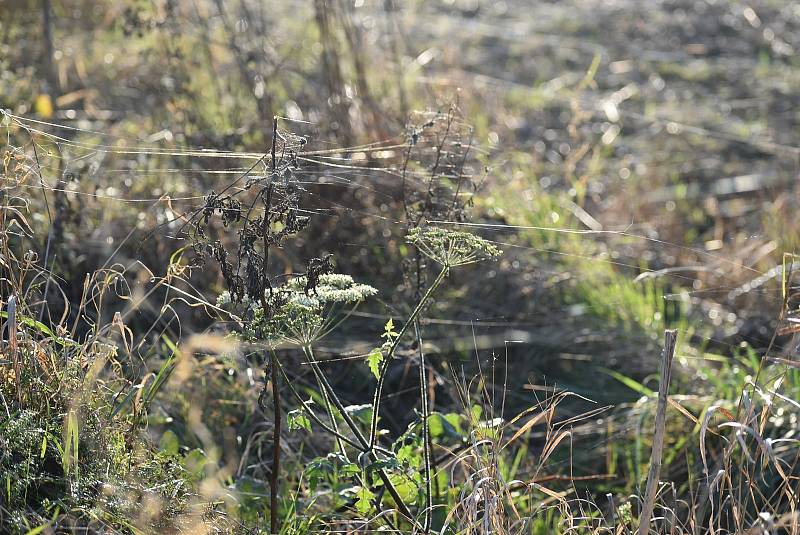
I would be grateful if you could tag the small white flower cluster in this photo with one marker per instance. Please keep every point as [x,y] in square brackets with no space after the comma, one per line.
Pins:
[226,299]
[332,288]
[301,317]
[303,300]
[337,280]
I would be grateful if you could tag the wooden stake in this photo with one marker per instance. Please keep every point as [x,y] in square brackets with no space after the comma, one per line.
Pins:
[670,338]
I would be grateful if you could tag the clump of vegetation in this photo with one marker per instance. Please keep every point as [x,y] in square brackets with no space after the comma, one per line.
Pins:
[70,459]
[244,288]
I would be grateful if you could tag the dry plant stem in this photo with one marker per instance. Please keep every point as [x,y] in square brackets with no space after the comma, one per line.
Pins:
[376,401]
[726,458]
[765,357]
[276,435]
[276,444]
[11,325]
[670,338]
[365,447]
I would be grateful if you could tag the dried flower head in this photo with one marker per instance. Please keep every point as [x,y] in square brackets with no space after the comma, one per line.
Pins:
[451,248]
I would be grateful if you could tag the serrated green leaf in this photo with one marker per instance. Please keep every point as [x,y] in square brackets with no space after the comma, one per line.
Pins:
[405,487]
[361,413]
[476,411]
[410,455]
[320,467]
[374,360]
[388,330]
[349,469]
[364,502]
[297,419]
[390,464]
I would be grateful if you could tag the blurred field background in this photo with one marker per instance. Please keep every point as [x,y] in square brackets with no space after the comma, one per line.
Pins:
[636,162]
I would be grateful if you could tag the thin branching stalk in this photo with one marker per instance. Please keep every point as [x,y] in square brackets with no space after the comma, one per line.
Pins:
[329,410]
[376,401]
[335,432]
[365,447]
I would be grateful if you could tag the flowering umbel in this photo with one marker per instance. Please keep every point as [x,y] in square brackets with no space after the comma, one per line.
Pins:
[452,248]
[298,314]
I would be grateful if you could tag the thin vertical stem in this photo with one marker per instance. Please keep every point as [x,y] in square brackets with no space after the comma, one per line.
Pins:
[426,437]
[328,407]
[376,400]
[276,446]
[312,361]
[670,338]
[313,416]
[276,399]
[11,326]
